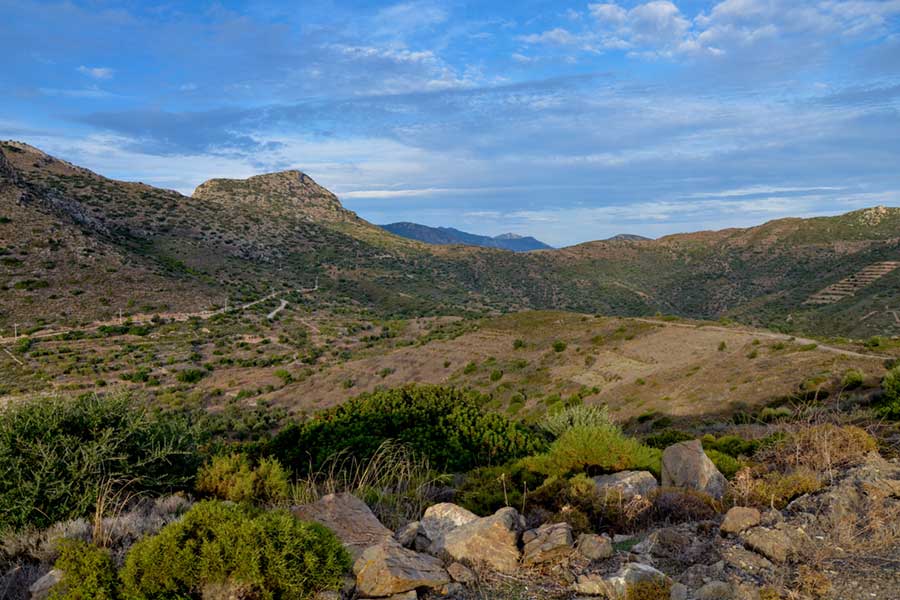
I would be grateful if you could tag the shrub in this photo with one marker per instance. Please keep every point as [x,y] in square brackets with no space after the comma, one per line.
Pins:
[889,407]
[557,422]
[445,425]
[232,477]
[470,368]
[190,375]
[666,438]
[487,489]
[852,379]
[88,573]
[518,344]
[57,453]
[593,449]
[822,447]
[271,553]
[649,590]
[769,414]
[496,375]
[559,346]
[776,489]
[726,464]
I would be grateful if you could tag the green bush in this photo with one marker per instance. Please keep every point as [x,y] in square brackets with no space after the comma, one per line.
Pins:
[446,425]
[232,477]
[190,375]
[852,379]
[726,464]
[666,438]
[889,407]
[593,450]
[496,375]
[559,346]
[269,554]
[56,453]
[88,573]
[559,421]
[487,489]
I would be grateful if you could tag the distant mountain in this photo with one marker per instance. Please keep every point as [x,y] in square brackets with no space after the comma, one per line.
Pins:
[628,237]
[448,235]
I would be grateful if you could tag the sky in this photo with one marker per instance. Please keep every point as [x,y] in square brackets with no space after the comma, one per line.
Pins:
[569,121]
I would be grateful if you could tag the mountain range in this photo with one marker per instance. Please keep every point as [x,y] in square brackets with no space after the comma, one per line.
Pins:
[77,247]
[449,235]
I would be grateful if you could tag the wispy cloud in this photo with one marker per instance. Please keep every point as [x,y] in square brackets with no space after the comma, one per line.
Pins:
[96,72]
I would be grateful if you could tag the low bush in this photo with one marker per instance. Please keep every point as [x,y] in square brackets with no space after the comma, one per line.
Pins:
[666,438]
[232,477]
[726,464]
[56,454]
[88,573]
[773,488]
[487,489]
[595,450]
[268,554]
[190,375]
[889,406]
[852,380]
[445,425]
[557,422]
[821,448]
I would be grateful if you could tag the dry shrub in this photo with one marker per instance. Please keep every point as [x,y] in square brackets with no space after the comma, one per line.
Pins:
[764,488]
[812,583]
[649,590]
[822,448]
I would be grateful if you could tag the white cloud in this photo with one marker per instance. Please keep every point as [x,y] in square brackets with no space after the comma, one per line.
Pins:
[558,36]
[96,72]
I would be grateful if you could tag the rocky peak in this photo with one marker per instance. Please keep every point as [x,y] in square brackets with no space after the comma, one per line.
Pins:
[284,192]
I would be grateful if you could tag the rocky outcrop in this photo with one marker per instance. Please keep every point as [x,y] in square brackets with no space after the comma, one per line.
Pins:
[685,465]
[547,543]
[594,547]
[40,589]
[626,484]
[492,541]
[351,520]
[778,544]
[388,568]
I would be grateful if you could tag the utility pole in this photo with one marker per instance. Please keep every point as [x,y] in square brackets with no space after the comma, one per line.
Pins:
[15,331]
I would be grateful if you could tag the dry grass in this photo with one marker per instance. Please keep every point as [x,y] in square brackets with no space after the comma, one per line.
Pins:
[397,484]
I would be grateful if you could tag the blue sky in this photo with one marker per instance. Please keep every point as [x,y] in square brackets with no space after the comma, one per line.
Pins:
[569,121]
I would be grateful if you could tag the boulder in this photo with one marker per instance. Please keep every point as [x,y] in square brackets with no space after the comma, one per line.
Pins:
[490,540]
[328,595]
[406,535]
[685,465]
[745,560]
[549,542]
[616,586]
[388,568]
[441,519]
[739,518]
[626,484]
[777,544]
[594,547]
[349,518]
[40,589]
[679,591]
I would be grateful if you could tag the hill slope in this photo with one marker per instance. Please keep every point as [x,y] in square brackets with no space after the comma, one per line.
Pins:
[78,246]
[449,235]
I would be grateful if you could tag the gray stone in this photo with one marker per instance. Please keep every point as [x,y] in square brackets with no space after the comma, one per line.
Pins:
[490,540]
[685,465]
[410,595]
[549,542]
[442,518]
[406,535]
[746,560]
[349,518]
[388,568]
[327,595]
[774,544]
[594,547]
[739,518]
[40,589]
[626,484]
[679,591]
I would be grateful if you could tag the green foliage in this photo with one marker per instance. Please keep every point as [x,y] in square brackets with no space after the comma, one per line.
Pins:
[559,346]
[470,368]
[446,425]
[727,465]
[191,375]
[24,345]
[852,379]
[56,453]
[518,344]
[889,407]
[488,489]
[496,375]
[269,554]
[232,477]
[770,414]
[732,445]
[88,573]
[557,422]
[666,438]
[592,449]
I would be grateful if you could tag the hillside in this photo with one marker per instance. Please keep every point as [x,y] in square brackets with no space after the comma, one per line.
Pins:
[129,247]
[449,235]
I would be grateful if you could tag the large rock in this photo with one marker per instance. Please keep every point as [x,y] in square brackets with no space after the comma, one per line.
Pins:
[739,518]
[388,568]
[442,518]
[616,586]
[40,589]
[490,540]
[685,465]
[350,520]
[777,544]
[594,547]
[626,484]
[549,542]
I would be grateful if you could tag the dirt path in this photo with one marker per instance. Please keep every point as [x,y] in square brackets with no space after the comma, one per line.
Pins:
[184,316]
[769,335]
[280,308]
